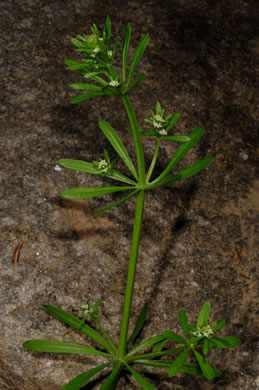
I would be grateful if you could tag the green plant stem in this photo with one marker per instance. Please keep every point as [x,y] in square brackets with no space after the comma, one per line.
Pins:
[153,162]
[137,140]
[105,335]
[131,273]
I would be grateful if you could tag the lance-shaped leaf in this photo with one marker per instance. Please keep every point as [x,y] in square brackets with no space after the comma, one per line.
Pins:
[208,371]
[204,315]
[80,380]
[125,49]
[110,382]
[144,384]
[187,172]
[224,342]
[159,346]
[139,323]
[86,87]
[86,96]
[136,82]
[87,193]
[183,321]
[173,121]
[219,326]
[76,323]
[146,344]
[83,166]
[137,56]
[187,368]
[181,152]
[177,138]
[108,28]
[110,206]
[174,337]
[153,355]
[117,144]
[178,363]
[61,347]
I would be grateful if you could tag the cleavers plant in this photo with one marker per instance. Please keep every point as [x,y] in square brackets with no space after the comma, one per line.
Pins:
[99,53]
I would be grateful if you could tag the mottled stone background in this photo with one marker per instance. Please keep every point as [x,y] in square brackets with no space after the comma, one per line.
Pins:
[200,62]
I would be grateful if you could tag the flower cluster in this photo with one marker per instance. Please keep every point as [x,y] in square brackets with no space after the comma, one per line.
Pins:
[86,308]
[98,55]
[206,331]
[104,165]
[158,121]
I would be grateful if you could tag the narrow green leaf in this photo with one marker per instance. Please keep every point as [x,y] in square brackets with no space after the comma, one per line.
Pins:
[153,363]
[177,138]
[92,75]
[173,121]
[78,165]
[136,82]
[76,323]
[146,344]
[224,342]
[86,87]
[83,166]
[61,347]
[87,193]
[219,326]
[188,172]
[181,152]
[204,315]
[178,363]
[183,321]
[110,382]
[159,346]
[137,56]
[187,368]
[116,175]
[85,96]
[111,91]
[144,384]
[205,347]
[191,368]
[206,368]
[108,30]
[117,144]
[154,355]
[110,206]
[173,337]
[139,323]
[125,48]
[80,380]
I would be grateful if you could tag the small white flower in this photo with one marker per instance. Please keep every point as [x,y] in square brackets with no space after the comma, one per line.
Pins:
[159,118]
[114,83]
[162,132]
[57,168]
[86,308]
[96,50]
[109,53]
[206,331]
[103,164]
[157,124]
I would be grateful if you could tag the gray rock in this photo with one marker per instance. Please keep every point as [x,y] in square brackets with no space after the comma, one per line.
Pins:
[200,62]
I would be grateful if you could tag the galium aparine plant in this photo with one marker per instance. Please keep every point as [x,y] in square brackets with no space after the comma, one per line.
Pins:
[98,53]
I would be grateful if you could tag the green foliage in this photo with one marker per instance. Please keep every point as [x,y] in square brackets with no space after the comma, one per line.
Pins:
[99,51]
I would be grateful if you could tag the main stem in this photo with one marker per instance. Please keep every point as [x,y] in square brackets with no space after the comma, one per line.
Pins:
[131,273]
[136,228]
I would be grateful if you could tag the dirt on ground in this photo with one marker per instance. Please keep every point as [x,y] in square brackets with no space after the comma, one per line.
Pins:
[199,238]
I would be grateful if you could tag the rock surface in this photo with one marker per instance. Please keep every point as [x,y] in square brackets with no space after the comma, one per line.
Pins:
[200,62]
